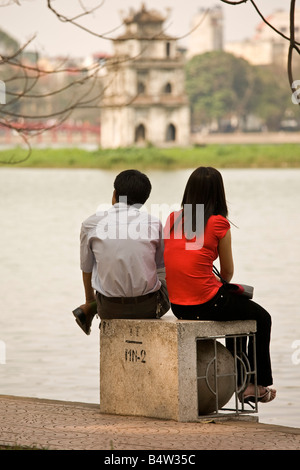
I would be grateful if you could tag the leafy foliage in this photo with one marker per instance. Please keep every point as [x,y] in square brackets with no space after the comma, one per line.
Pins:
[221,86]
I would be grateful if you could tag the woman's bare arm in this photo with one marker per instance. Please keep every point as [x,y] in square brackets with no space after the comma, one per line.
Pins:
[225,256]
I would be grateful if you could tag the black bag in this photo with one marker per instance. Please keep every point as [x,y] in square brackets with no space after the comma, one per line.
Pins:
[237,289]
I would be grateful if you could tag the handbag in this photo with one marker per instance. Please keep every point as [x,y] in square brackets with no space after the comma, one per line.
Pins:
[238,289]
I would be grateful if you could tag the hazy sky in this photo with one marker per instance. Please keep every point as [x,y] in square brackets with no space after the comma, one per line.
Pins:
[57,38]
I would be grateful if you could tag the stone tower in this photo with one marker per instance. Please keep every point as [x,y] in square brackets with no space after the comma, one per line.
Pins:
[144,99]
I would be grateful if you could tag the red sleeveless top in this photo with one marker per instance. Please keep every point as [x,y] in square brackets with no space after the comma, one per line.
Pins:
[189,276]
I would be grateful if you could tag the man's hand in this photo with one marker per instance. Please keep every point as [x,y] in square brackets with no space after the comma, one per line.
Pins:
[88,306]
[84,315]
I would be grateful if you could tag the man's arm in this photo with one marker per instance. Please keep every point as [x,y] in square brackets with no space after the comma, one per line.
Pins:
[88,290]
[86,264]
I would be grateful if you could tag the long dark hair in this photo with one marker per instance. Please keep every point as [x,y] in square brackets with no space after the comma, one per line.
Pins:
[204,188]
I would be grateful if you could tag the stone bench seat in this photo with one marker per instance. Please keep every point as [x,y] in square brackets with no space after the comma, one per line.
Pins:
[152,367]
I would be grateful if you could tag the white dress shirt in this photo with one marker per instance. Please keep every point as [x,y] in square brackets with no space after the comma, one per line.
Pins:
[123,248]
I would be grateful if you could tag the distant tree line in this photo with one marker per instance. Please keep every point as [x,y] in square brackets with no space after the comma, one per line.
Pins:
[227,90]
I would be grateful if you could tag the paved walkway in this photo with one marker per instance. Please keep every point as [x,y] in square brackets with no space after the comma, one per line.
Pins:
[77,426]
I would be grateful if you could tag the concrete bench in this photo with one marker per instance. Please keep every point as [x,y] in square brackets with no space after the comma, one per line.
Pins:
[166,368]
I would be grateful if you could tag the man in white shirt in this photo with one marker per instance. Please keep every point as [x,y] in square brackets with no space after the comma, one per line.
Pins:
[121,257]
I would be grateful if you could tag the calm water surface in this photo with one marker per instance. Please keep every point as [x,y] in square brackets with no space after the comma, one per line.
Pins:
[44,354]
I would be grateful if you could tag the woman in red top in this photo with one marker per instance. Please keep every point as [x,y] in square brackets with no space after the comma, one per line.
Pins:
[195,293]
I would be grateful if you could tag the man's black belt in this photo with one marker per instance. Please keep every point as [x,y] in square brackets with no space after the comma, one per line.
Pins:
[128,300]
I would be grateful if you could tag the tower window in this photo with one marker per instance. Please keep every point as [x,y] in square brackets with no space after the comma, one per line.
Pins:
[140,133]
[168,49]
[141,88]
[171,133]
[168,88]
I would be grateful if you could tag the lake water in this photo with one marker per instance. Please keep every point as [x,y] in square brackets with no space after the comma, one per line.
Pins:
[44,354]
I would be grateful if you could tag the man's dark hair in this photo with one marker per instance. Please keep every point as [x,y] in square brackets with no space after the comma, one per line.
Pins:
[133,185]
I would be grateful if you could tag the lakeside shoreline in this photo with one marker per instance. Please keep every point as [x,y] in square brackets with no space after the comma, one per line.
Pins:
[53,425]
[223,155]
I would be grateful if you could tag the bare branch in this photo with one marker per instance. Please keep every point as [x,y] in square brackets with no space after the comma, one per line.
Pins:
[65,19]
[9,2]
[12,160]
[234,3]
[269,24]
[292,47]
[4,59]
[197,25]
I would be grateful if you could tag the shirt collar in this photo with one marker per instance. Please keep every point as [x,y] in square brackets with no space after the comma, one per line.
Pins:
[121,206]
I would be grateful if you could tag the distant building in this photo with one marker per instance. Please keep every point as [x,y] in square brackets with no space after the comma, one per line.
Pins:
[206,31]
[267,46]
[144,95]
[8,44]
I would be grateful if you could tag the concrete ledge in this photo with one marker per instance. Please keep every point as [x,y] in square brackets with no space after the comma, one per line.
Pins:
[62,425]
[149,367]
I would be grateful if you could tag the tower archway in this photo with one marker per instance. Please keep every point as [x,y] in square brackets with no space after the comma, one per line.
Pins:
[168,88]
[140,133]
[171,133]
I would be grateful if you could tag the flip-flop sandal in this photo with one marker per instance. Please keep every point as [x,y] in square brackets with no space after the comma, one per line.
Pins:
[81,320]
